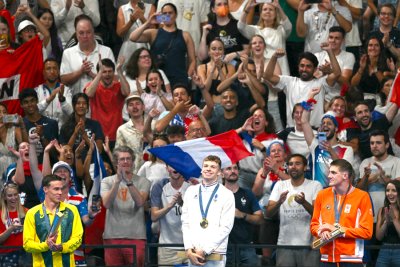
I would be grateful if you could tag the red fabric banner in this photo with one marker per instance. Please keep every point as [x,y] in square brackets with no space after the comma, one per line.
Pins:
[19,69]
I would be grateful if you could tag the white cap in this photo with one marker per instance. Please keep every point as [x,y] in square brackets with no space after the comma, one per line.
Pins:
[25,24]
[64,165]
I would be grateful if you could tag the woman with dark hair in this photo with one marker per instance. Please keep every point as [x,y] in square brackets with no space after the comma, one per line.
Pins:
[221,24]
[257,133]
[172,48]
[46,17]
[136,71]
[78,127]
[155,95]
[388,226]
[216,70]
[373,66]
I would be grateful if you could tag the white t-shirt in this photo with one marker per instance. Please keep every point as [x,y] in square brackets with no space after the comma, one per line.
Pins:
[353,36]
[294,228]
[346,62]
[72,61]
[319,23]
[391,166]
[297,91]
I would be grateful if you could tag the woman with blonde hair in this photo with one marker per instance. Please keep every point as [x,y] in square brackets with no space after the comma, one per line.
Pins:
[274,26]
[12,217]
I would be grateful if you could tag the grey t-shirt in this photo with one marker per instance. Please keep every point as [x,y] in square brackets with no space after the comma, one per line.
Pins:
[124,219]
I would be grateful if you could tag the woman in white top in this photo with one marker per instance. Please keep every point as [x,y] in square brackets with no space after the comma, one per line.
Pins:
[236,8]
[257,52]
[273,25]
[130,17]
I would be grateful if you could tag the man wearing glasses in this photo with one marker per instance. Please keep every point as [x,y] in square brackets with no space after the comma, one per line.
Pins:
[124,195]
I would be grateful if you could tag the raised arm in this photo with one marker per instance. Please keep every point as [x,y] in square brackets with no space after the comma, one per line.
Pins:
[336,72]
[301,26]
[125,88]
[144,34]
[305,119]
[33,161]
[269,74]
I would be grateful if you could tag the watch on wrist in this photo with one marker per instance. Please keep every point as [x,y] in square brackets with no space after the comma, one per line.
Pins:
[129,184]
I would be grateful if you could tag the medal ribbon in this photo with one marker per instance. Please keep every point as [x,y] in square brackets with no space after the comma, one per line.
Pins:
[204,214]
[46,217]
[339,212]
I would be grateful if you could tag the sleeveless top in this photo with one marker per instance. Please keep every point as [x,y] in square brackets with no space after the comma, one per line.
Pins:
[216,82]
[170,48]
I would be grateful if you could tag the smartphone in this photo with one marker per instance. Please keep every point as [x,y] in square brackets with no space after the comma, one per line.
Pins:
[321,138]
[162,18]
[95,203]
[10,118]
[263,1]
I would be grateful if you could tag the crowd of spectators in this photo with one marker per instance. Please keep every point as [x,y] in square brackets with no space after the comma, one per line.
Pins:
[292,78]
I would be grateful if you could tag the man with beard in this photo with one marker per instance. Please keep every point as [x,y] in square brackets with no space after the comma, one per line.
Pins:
[324,152]
[166,207]
[378,170]
[232,118]
[297,89]
[107,97]
[58,108]
[367,124]
[247,214]
[294,199]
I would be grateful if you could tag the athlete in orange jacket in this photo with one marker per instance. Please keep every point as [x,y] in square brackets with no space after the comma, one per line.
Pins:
[353,214]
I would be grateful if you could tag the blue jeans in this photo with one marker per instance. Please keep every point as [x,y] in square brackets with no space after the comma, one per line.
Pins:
[388,257]
[245,257]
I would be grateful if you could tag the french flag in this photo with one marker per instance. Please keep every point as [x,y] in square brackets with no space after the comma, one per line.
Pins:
[187,157]
[99,172]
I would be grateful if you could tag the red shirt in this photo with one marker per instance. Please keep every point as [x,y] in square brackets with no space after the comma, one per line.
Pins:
[15,239]
[106,107]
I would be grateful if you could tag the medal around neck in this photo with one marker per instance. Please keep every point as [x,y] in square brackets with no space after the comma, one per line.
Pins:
[204,223]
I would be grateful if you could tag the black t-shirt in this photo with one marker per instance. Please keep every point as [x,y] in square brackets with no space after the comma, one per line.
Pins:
[364,149]
[242,231]
[50,132]
[229,34]
[219,124]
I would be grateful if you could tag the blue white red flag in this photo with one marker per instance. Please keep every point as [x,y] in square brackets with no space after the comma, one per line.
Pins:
[187,157]
[99,171]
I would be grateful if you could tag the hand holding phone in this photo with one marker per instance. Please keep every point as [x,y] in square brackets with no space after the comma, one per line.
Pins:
[162,18]
[321,138]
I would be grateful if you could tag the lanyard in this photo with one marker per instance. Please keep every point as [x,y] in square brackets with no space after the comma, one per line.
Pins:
[339,212]
[204,214]
[46,217]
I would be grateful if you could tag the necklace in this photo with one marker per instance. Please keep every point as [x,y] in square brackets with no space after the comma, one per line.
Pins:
[320,26]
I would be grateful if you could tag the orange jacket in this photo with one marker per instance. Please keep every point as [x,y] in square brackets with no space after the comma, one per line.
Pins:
[356,219]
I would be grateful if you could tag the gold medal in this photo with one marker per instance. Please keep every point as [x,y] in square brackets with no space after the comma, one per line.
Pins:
[204,223]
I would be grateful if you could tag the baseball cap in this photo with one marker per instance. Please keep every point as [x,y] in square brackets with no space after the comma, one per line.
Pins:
[62,164]
[25,24]
[133,96]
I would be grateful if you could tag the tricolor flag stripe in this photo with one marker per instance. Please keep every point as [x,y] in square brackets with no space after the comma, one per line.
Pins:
[187,157]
